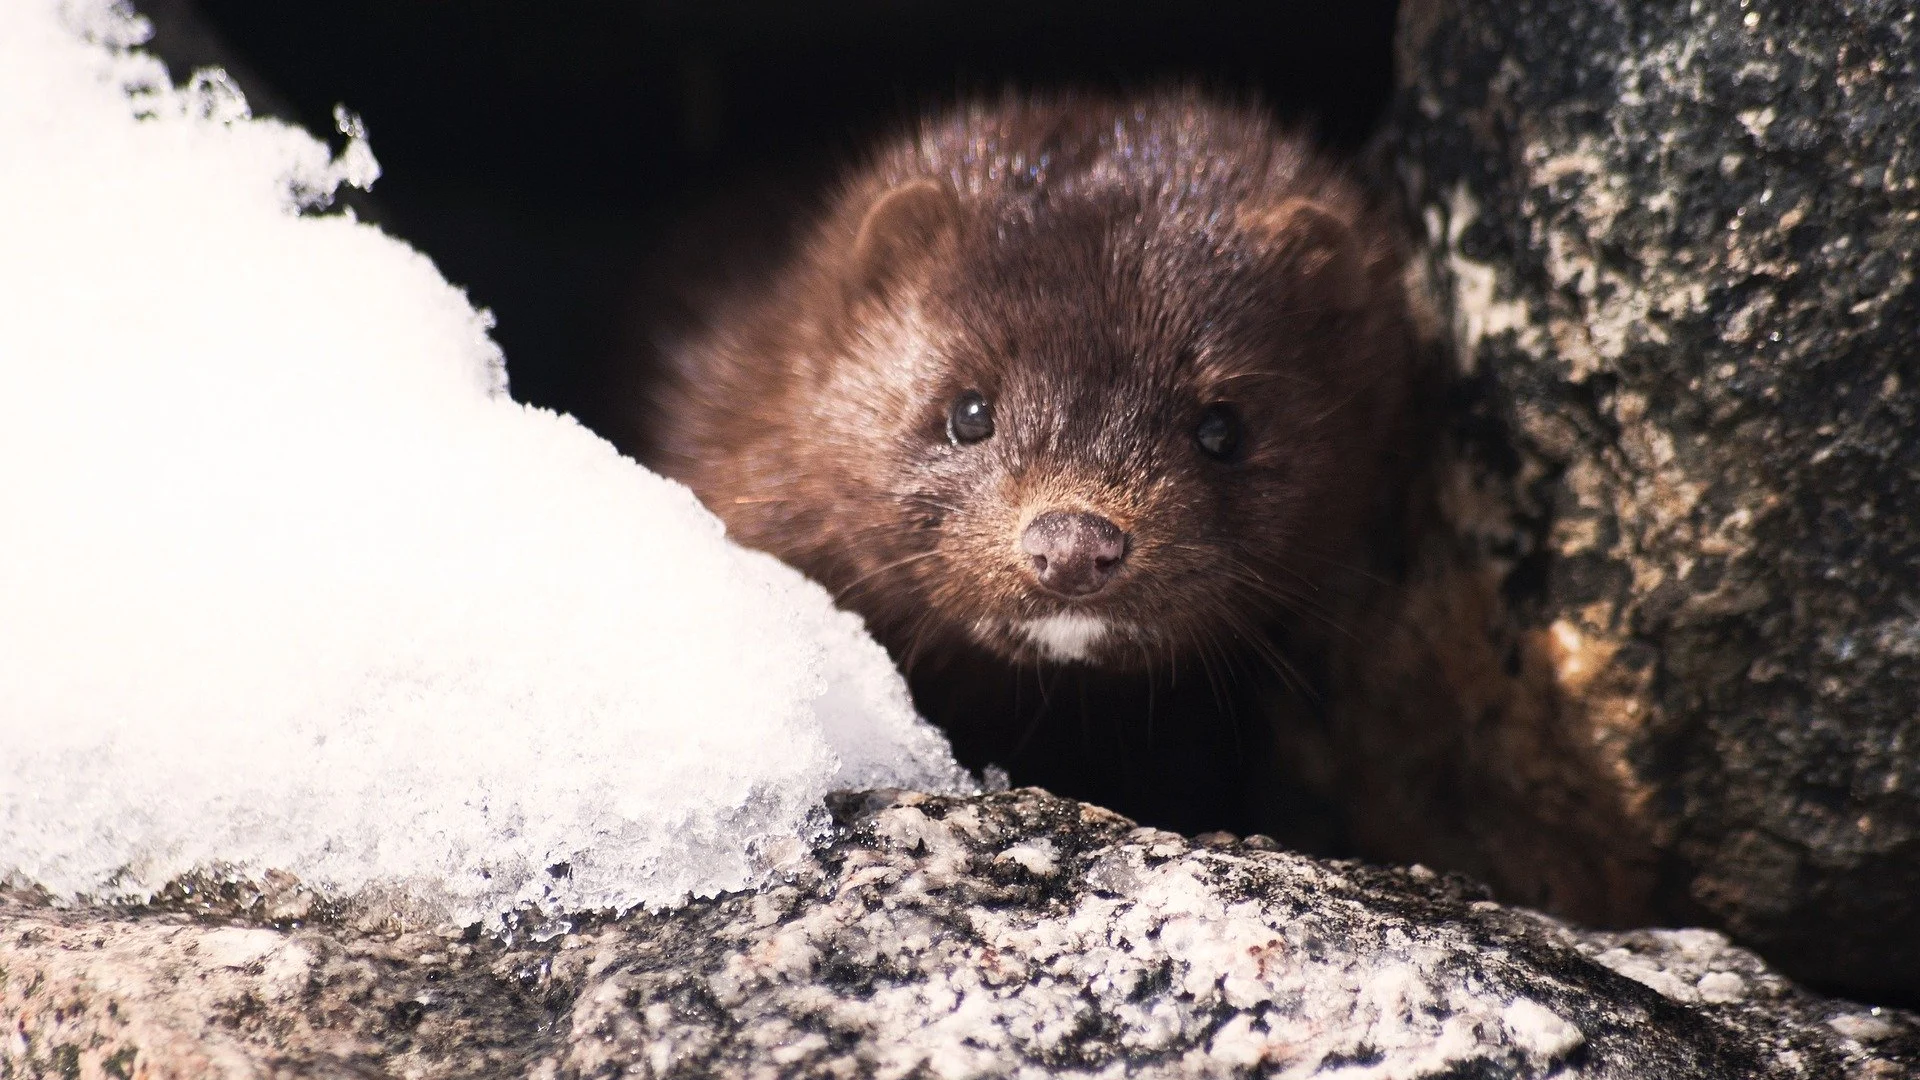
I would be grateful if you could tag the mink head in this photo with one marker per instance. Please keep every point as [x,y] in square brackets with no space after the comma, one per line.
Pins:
[1104,386]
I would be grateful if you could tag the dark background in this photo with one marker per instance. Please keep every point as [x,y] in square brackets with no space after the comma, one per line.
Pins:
[540,152]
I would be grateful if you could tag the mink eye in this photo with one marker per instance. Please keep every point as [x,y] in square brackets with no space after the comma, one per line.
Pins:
[1218,432]
[969,418]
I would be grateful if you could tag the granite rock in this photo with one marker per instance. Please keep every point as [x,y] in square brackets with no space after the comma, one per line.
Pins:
[1663,661]
[1002,935]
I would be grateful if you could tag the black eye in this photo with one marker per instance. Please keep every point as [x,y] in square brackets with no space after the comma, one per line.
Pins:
[1218,432]
[970,418]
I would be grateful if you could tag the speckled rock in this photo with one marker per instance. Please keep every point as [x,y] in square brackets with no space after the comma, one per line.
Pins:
[1005,935]
[1674,629]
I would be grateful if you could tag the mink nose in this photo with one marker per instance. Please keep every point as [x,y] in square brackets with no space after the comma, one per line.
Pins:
[1074,554]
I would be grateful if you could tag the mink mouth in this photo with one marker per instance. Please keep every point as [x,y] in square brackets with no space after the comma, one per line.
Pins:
[1068,636]
[1071,635]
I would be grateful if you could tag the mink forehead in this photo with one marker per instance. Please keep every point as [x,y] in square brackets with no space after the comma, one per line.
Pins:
[1103,294]
[1180,150]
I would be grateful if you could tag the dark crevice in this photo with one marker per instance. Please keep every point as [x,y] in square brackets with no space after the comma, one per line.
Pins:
[540,152]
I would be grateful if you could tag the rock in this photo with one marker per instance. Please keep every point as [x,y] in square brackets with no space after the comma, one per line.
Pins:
[1008,934]
[1664,661]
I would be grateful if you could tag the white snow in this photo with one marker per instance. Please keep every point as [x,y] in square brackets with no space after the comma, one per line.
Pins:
[1721,987]
[287,581]
[1037,856]
[1688,966]
[1539,1031]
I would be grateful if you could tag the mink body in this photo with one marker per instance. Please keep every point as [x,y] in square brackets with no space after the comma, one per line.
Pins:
[1088,407]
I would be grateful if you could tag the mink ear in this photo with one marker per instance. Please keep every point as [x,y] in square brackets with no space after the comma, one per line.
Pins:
[1308,239]
[904,232]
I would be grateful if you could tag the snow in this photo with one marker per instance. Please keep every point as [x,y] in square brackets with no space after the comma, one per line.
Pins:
[287,581]
[1538,1030]
[1688,966]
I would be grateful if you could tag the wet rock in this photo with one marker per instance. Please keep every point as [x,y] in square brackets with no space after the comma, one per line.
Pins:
[1010,934]
[1674,625]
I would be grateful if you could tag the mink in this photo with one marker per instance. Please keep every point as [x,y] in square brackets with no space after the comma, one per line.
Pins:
[1089,407]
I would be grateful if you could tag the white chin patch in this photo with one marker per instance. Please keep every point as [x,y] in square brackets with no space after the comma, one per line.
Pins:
[1065,637]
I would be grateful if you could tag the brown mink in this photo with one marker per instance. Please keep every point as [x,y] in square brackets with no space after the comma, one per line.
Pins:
[1088,407]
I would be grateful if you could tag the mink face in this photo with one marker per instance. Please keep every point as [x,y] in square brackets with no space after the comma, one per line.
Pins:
[1094,383]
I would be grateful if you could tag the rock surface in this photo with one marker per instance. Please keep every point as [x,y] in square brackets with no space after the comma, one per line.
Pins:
[1013,934]
[1675,248]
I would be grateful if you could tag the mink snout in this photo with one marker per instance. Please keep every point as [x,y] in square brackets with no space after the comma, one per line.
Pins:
[1074,554]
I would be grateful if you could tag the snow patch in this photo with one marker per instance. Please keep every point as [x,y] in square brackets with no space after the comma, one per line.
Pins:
[1721,987]
[1688,966]
[1037,856]
[289,582]
[1538,1031]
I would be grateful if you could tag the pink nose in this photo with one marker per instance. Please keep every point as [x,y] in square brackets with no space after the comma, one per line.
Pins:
[1074,554]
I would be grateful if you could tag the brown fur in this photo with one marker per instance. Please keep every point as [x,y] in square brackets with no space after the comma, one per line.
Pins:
[1102,271]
